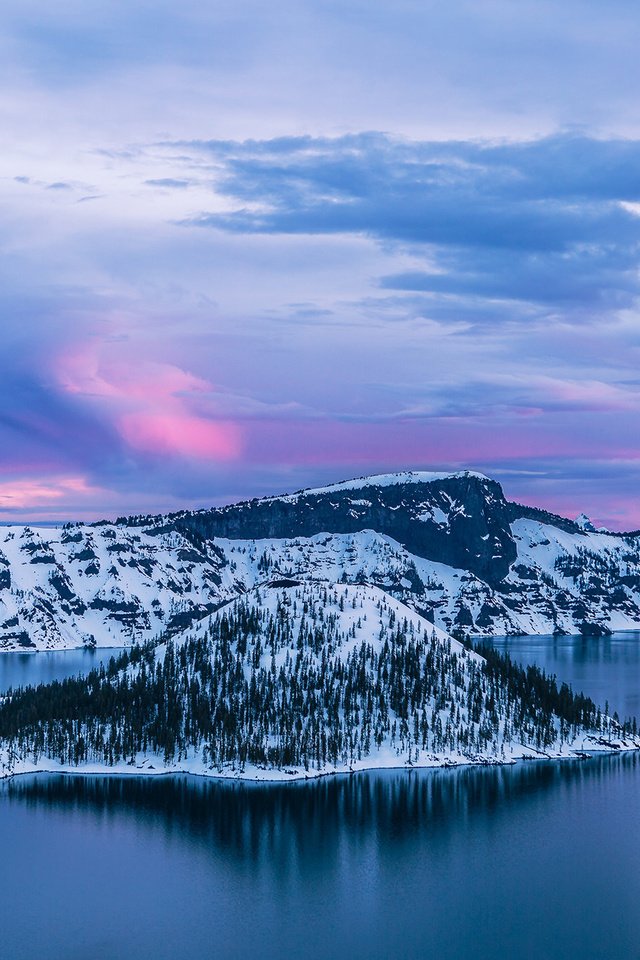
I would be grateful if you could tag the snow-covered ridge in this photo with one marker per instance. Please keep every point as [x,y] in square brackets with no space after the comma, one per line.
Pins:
[111,584]
[380,480]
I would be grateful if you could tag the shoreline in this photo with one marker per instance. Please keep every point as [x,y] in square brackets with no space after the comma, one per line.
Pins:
[279,777]
[476,639]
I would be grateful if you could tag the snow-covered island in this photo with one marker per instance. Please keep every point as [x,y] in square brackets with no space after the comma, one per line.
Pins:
[296,680]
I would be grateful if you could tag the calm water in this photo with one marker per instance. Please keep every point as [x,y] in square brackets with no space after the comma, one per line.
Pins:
[538,862]
[605,668]
[20,669]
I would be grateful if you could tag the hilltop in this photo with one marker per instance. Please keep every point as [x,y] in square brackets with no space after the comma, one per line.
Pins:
[301,680]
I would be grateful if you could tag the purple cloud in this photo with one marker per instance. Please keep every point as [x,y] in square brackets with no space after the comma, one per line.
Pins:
[263,295]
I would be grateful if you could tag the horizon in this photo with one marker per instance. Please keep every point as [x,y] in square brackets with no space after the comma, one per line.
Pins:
[58,521]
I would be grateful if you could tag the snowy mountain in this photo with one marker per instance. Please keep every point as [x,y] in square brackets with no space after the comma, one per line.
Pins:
[450,547]
[300,681]
[583,521]
[460,519]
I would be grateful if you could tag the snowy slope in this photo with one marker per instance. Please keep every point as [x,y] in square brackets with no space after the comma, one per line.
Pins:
[100,585]
[559,581]
[449,547]
[297,681]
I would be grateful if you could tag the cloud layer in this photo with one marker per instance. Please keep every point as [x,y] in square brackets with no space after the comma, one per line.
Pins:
[248,247]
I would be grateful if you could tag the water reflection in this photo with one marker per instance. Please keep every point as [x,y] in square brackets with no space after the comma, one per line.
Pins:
[22,669]
[538,861]
[253,821]
[604,668]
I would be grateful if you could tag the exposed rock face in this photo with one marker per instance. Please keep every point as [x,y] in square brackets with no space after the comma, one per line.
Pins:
[461,520]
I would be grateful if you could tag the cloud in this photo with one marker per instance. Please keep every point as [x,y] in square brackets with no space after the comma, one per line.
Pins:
[320,64]
[150,404]
[168,182]
[31,493]
[268,297]
[544,222]
[187,366]
[180,434]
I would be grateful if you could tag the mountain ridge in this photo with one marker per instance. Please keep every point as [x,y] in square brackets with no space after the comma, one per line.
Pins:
[449,546]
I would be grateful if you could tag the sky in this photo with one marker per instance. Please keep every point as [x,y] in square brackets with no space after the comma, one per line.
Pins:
[247,248]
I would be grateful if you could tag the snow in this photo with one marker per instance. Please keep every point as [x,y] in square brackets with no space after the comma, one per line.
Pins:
[380,759]
[435,515]
[158,577]
[132,568]
[369,607]
[584,523]
[168,585]
[381,480]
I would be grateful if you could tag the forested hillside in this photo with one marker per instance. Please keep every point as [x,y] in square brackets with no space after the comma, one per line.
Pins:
[302,679]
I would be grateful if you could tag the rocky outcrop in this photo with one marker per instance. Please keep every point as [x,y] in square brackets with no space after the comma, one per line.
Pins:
[460,520]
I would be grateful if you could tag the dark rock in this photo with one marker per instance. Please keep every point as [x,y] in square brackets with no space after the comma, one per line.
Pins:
[463,616]
[476,537]
[121,606]
[71,537]
[62,585]
[84,555]
[22,639]
[594,629]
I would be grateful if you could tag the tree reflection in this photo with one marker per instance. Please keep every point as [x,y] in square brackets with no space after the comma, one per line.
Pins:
[251,821]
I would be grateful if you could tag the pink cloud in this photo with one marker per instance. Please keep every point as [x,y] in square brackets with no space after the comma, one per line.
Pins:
[181,434]
[152,405]
[27,493]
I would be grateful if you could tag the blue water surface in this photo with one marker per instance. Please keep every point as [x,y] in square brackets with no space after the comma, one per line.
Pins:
[538,861]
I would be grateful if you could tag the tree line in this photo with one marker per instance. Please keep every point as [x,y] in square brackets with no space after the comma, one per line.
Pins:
[291,684]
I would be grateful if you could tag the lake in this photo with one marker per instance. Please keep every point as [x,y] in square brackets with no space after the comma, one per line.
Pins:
[20,669]
[537,861]
[605,668]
